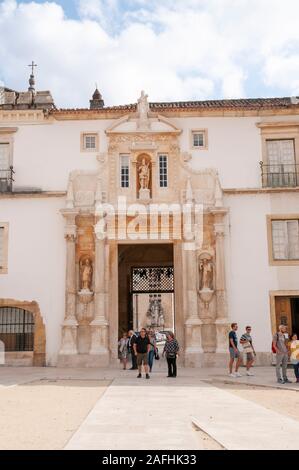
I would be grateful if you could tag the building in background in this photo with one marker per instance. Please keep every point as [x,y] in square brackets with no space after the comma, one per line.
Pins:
[67,292]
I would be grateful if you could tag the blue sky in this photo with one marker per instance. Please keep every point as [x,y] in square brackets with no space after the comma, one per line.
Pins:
[174,49]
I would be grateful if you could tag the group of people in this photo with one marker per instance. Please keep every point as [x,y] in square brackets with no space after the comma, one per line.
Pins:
[286,349]
[142,347]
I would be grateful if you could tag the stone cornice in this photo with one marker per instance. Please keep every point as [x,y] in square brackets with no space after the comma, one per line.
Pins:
[260,190]
[43,194]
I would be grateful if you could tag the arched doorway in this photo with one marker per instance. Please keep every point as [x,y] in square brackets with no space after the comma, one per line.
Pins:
[23,333]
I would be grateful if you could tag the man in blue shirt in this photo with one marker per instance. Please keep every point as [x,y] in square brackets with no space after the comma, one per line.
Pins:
[234,351]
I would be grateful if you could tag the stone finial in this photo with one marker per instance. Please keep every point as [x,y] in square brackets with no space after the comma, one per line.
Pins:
[70,195]
[189,192]
[218,194]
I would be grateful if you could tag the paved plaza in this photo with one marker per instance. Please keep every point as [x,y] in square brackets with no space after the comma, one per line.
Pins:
[112,409]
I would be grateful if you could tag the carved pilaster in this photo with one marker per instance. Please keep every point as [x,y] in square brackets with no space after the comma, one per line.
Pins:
[193,324]
[221,298]
[99,325]
[69,327]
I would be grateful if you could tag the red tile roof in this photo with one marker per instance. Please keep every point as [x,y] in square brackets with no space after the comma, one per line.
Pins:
[243,103]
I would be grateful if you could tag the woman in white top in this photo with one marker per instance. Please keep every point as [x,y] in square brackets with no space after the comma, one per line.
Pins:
[294,349]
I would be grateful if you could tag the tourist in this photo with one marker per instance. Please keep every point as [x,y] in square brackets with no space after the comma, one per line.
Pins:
[294,349]
[132,338]
[171,351]
[234,351]
[123,348]
[153,349]
[246,342]
[280,347]
[141,347]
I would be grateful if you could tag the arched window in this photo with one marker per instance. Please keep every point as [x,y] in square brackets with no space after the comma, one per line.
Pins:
[16,329]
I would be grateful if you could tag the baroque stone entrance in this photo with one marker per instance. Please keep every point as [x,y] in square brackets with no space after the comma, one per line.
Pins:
[101,214]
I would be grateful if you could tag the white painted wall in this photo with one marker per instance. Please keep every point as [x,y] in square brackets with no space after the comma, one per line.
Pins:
[250,278]
[44,154]
[36,261]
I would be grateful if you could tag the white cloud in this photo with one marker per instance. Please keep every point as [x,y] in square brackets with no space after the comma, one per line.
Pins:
[175,50]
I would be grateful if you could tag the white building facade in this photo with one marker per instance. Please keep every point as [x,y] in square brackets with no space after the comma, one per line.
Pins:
[67,288]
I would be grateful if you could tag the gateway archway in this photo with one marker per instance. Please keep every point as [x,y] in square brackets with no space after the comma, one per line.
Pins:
[146,287]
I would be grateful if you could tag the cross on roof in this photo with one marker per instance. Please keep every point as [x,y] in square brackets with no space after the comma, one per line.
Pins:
[32,65]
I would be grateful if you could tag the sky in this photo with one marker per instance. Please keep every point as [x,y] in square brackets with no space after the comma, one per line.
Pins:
[173,49]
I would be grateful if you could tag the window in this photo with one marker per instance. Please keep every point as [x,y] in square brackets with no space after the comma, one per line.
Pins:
[281,163]
[16,329]
[3,247]
[124,171]
[5,171]
[89,142]
[285,239]
[163,171]
[199,139]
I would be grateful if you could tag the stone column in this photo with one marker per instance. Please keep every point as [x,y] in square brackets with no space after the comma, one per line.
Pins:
[193,349]
[70,324]
[221,322]
[99,325]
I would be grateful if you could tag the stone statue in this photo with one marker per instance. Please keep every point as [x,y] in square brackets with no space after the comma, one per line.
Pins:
[155,313]
[144,174]
[86,274]
[143,106]
[206,269]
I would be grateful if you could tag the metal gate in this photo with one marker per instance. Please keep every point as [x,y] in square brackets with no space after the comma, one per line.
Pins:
[16,329]
[152,280]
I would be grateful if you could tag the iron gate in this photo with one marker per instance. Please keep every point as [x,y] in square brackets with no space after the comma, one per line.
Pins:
[152,279]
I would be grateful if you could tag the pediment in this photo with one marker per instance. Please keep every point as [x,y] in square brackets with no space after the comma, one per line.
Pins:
[130,124]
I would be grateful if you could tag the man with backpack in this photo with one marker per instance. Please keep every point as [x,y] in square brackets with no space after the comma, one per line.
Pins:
[279,346]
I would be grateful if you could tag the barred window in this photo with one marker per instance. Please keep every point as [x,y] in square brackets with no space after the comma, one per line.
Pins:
[163,171]
[16,329]
[285,238]
[124,171]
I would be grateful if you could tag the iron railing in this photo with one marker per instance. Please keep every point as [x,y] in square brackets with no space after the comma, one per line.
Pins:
[284,175]
[6,180]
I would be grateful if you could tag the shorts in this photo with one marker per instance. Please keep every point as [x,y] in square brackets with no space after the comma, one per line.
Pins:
[249,356]
[234,354]
[142,358]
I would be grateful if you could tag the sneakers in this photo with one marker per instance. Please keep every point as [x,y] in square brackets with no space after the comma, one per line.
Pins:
[280,381]
[139,376]
[232,375]
[250,374]
[238,374]
[147,376]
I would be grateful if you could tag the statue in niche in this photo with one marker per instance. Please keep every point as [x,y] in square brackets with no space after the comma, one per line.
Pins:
[86,274]
[206,271]
[144,174]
